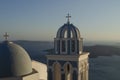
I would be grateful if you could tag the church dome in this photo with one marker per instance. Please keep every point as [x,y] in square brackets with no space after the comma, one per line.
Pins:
[14,60]
[68,31]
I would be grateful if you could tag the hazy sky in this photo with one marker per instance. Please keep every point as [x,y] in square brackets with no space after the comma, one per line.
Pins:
[40,19]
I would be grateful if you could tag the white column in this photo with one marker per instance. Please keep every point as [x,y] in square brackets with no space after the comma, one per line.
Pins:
[79,75]
[87,68]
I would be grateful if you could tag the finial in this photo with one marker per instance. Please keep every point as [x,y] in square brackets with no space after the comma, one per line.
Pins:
[6,36]
[68,16]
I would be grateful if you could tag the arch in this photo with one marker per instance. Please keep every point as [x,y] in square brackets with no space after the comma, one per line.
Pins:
[63,47]
[68,71]
[74,32]
[73,45]
[56,71]
[65,34]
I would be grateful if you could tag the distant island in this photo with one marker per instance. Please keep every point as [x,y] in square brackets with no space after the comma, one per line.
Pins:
[38,49]
[102,50]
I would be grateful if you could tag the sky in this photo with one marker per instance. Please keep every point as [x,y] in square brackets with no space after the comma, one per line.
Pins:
[97,20]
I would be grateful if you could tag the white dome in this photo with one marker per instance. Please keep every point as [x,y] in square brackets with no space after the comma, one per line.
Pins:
[14,60]
[68,31]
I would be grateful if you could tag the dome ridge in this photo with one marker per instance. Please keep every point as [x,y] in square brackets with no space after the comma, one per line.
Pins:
[72,31]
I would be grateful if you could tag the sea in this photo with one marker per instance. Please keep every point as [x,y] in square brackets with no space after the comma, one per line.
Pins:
[100,68]
[104,68]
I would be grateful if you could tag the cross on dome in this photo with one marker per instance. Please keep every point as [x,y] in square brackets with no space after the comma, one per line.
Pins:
[6,36]
[68,16]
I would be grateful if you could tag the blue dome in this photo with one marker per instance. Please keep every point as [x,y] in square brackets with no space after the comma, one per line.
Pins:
[14,60]
[68,31]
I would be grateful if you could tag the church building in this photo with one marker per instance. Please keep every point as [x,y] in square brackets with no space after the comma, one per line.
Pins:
[68,62]
[16,64]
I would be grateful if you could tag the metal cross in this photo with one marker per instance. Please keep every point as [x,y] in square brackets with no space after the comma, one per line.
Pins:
[6,36]
[68,16]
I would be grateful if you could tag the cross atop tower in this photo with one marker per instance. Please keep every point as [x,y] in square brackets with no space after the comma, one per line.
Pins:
[68,16]
[6,36]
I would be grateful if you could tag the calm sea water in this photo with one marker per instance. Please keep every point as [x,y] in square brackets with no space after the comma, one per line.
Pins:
[104,68]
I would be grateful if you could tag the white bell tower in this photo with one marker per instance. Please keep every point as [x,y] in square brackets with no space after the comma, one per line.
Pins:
[69,62]
[68,39]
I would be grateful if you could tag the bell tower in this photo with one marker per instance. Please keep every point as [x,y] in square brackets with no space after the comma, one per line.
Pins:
[68,62]
[68,39]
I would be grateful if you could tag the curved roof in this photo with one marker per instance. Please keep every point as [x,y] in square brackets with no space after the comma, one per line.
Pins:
[14,60]
[69,31]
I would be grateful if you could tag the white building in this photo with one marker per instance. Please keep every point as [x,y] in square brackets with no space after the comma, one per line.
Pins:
[69,62]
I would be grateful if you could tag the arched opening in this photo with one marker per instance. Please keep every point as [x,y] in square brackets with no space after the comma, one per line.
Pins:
[68,71]
[73,45]
[65,34]
[57,71]
[57,46]
[71,34]
[63,46]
